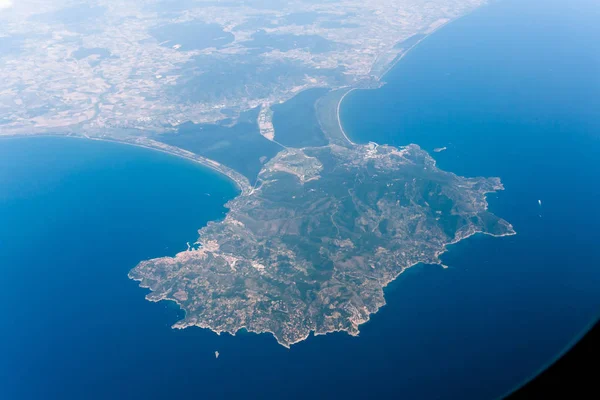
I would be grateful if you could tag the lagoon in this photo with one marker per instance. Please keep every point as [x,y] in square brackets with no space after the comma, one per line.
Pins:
[77,215]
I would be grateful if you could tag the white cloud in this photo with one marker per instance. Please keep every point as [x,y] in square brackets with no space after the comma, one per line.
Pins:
[4,4]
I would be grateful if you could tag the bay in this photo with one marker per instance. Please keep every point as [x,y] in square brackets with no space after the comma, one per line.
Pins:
[510,90]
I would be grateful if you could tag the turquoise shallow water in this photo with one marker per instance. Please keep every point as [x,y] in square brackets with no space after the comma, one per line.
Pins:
[510,90]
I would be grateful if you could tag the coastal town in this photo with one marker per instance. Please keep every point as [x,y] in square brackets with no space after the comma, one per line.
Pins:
[308,244]
[136,72]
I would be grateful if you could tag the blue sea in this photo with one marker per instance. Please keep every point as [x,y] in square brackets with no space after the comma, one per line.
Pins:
[511,90]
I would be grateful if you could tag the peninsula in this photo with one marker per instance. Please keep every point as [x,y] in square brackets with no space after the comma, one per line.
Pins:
[312,246]
[321,224]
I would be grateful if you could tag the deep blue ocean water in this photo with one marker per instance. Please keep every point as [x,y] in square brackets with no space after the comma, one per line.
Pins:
[511,90]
